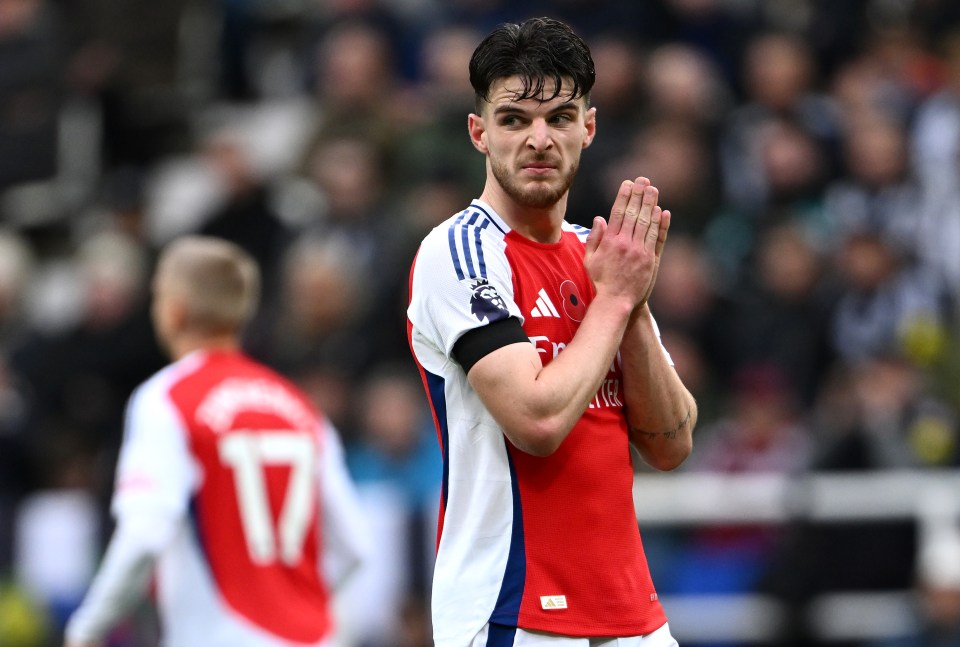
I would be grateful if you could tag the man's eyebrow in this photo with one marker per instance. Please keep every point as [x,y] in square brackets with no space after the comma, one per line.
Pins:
[508,108]
[566,105]
[512,108]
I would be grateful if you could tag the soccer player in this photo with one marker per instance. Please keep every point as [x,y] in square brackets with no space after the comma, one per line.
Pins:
[231,488]
[542,364]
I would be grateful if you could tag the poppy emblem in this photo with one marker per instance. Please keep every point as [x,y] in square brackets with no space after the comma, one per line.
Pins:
[573,304]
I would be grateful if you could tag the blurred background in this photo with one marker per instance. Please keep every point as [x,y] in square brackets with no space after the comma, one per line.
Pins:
[808,149]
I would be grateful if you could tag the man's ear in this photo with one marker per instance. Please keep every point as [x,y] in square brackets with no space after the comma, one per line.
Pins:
[179,314]
[590,125]
[477,129]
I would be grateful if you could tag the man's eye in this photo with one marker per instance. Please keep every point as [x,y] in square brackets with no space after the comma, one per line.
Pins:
[562,119]
[511,120]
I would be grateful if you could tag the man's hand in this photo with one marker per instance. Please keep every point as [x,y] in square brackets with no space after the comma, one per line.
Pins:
[623,255]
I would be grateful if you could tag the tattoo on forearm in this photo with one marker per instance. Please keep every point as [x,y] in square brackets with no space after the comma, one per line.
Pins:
[669,435]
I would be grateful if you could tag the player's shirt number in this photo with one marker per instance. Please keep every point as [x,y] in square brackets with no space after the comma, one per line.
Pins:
[248,453]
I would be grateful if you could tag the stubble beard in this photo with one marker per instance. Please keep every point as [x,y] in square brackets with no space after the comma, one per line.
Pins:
[542,195]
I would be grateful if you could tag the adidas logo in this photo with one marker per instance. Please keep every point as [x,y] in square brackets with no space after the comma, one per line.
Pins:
[553,602]
[544,307]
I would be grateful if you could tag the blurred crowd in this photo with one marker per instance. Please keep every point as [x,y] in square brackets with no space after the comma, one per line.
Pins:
[808,149]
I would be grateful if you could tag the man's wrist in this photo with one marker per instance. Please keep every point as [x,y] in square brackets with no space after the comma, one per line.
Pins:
[640,312]
[615,304]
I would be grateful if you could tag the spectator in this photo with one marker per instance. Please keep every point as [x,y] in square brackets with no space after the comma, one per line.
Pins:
[31,90]
[936,128]
[619,96]
[779,81]
[685,84]
[934,158]
[246,215]
[883,294]
[354,87]
[127,60]
[688,309]
[79,375]
[681,162]
[358,214]
[328,333]
[891,419]
[432,143]
[877,183]
[781,315]
[795,168]
[395,463]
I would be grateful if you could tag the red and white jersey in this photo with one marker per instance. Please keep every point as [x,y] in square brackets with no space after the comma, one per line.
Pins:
[542,543]
[251,482]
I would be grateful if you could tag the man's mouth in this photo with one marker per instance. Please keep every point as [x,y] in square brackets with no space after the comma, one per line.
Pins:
[539,167]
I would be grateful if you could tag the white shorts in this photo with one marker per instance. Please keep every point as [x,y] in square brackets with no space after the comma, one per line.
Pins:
[500,636]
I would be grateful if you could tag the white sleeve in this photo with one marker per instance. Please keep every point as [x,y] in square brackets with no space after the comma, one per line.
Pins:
[122,578]
[656,330]
[156,472]
[461,281]
[346,537]
[154,478]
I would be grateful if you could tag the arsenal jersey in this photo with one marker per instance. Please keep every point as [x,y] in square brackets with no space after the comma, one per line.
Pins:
[542,543]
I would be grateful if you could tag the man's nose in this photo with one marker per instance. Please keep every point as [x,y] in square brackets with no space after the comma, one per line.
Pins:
[540,138]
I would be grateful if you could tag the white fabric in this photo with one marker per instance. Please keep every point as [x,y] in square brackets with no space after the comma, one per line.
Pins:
[659,638]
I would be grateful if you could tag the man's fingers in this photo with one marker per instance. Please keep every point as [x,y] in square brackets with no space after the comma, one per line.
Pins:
[652,236]
[595,235]
[647,204]
[664,228]
[619,209]
[634,209]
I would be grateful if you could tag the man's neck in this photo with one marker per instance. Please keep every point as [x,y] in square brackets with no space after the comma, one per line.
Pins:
[540,225]
[183,346]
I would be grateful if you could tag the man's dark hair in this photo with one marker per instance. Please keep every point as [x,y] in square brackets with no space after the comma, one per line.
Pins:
[536,50]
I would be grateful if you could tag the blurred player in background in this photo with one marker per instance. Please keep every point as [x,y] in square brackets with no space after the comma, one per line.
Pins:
[543,364]
[230,488]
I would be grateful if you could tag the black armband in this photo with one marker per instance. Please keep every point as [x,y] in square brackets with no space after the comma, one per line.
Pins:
[477,343]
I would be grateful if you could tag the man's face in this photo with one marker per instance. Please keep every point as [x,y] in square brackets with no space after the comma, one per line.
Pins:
[533,147]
